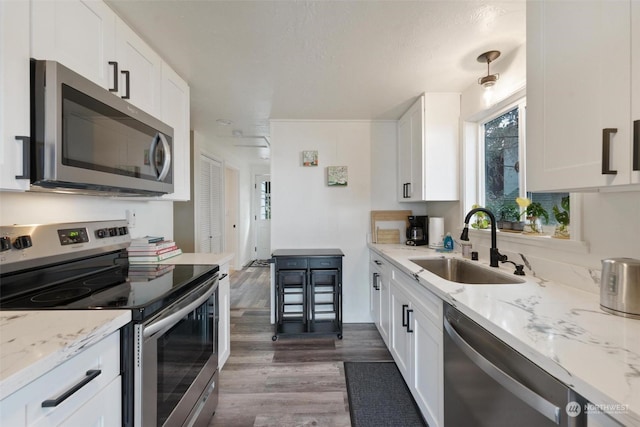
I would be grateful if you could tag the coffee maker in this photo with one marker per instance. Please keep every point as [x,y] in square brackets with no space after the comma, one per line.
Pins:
[417,233]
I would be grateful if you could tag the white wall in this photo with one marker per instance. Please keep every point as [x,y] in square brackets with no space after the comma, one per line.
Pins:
[152,217]
[306,213]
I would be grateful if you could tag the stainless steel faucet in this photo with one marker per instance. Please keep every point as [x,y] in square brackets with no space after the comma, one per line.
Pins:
[494,255]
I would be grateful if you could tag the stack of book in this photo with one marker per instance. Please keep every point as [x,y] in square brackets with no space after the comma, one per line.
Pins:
[150,249]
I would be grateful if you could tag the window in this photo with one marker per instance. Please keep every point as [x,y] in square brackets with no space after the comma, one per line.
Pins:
[503,169]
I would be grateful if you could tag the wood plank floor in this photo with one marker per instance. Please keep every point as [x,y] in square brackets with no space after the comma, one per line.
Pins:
[290,382]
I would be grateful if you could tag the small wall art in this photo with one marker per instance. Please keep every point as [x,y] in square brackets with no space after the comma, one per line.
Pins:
[337,175]
[310,158]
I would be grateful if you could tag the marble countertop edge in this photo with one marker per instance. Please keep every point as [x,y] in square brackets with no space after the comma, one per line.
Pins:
[34,342]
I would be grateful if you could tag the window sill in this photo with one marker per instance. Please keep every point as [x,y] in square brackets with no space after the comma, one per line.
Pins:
[529,240]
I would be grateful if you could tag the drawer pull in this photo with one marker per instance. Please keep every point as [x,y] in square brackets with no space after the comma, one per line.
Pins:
[91,374]
[26,157]
[114,64]
[606,151]
[636,145]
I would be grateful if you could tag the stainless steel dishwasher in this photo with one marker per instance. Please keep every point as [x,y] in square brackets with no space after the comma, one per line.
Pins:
[487,383]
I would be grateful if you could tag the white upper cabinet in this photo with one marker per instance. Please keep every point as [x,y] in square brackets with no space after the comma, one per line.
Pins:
[14,92]
[140,69]
[88,37]
[579,94]
[78,34]
[428,149]
[635,91]
[175,113]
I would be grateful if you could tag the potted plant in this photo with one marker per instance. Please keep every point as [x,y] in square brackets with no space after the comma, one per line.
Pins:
[563,218]
[535,212]
[481,221]
[508,214]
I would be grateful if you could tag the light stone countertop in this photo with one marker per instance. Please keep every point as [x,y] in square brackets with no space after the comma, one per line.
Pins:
[34,342]
[560,328]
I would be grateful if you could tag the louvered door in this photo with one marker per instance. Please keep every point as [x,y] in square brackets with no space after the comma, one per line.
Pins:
[209,201]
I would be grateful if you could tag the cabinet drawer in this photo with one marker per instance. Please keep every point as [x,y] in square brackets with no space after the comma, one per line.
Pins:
[291,263]
[325,263]
[103,356]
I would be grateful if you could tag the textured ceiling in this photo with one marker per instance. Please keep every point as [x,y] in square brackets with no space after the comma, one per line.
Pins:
[251,61]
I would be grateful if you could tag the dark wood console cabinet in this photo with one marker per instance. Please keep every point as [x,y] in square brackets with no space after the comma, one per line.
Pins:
[308,292]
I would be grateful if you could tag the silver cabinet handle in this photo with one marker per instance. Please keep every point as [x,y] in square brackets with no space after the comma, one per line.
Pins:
[180,311]
[529,397]
[606,151]
[89,376]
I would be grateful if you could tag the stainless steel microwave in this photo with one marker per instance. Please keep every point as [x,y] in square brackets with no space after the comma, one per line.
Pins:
[87,140]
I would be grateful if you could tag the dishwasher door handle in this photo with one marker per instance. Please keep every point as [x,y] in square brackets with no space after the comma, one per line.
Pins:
[525,394]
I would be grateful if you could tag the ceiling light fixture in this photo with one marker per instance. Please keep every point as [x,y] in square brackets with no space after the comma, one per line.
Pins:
[490,79]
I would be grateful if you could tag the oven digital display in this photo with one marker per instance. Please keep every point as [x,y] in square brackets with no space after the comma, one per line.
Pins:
[71,236]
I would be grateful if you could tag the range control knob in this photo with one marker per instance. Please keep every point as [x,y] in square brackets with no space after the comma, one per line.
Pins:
[22,242]
[113,231]
[102,233]
[122,231]
[5,243]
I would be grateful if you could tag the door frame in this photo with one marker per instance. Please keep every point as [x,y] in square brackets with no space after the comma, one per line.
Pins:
[256,211]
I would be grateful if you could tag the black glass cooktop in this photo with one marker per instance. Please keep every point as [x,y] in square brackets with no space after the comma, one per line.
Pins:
[102,282]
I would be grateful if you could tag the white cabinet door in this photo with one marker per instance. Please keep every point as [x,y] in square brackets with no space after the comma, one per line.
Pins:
[175,113]
[400,339]
[441,141]
[635,91]
[578,85]
[142,67]
[427,374]
[410,140]
[14,92]
[224,307]
[374,293]
[78,34]
[428,143]
[385,304]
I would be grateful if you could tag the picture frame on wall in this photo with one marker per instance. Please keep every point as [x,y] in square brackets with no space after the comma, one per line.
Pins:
[337,176]
[310,158]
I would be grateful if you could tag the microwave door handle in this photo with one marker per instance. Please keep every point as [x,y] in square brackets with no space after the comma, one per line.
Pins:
[528,396]
[161,171]
[166,164]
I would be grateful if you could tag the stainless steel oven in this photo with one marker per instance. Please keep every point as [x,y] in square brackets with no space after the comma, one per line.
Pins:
[169,357]
[86,139]
[176,361]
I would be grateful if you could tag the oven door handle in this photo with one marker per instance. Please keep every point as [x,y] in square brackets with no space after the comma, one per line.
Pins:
[528,396]
[183,308]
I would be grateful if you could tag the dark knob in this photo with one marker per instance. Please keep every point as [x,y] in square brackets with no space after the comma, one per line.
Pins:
[113,231]
[22,242]
[102,233]
[122,231]
[5,243]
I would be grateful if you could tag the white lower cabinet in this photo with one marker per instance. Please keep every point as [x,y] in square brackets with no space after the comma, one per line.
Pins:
[97,402]
[224,307]
[379,295]
[417,345]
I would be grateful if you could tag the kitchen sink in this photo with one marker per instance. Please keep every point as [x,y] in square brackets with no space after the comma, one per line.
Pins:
[460,271]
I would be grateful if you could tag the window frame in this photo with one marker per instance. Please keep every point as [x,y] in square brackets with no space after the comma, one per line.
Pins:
[472,163]
[520,104]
